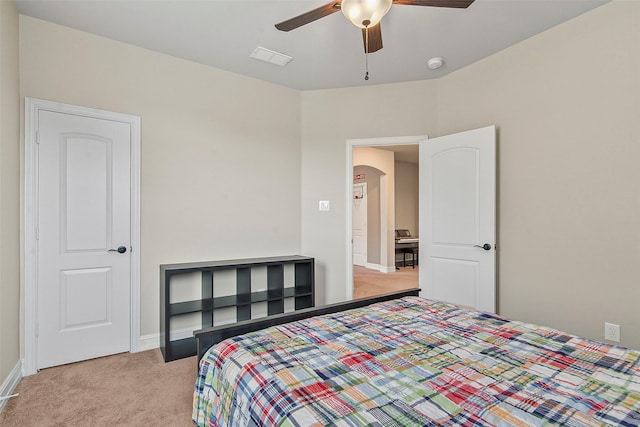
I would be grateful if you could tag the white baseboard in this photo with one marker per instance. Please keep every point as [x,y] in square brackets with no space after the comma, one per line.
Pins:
[380,268]
[10,383]
[149,342]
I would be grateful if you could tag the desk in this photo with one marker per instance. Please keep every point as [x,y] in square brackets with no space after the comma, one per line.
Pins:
[408,245]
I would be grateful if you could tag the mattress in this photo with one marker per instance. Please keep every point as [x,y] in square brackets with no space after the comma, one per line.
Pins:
[417,362]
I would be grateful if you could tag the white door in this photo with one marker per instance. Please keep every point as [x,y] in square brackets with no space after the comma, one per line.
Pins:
[360,224]
[83,290]
[457,218]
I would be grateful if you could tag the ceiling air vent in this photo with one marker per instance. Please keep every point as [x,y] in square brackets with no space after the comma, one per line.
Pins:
[270,56]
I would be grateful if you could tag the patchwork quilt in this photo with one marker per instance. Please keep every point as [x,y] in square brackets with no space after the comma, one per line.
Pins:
[416,362]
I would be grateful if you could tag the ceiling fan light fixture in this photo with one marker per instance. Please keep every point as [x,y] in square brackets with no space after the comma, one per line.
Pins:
[365,13]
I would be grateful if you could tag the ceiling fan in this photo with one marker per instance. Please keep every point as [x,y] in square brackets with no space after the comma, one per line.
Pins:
[365,14]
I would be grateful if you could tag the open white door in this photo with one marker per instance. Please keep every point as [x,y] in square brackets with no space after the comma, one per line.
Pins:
[458,218]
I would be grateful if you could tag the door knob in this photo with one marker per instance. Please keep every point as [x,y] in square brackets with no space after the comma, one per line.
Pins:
[120,250]
[486,246]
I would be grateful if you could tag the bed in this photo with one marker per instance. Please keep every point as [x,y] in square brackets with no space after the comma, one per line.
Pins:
[413,361]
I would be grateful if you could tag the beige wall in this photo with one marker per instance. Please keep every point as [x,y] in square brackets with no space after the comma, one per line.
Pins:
[372,179]
[383,161]
[407,197]
[567,107]
[329,118]
[220,173]
[566,104]
[9,190]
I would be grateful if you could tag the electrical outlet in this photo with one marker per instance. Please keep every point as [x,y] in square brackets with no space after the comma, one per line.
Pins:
[612,332]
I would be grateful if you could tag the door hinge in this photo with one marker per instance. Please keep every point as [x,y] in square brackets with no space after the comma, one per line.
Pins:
[37,137]
[37,233]
[37,330]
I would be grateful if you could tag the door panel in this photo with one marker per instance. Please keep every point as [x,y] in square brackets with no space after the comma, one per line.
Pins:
[457,214]
[86,298]
[461,277]
[83,211]
[86,203]
[455,198]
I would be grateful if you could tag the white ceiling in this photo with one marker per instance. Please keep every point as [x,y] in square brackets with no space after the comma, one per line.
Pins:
[327,53]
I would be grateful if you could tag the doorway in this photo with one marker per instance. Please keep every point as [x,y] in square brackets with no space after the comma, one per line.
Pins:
[81,233]
[380,276]
[457,216]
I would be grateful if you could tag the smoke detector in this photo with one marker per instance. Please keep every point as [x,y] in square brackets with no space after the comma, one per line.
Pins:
[435,63]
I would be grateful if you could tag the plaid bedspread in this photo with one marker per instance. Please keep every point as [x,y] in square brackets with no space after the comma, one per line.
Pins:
[416,362]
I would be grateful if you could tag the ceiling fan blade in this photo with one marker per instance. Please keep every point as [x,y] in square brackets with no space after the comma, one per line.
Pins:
[307,17]
[460,4]
[375,39]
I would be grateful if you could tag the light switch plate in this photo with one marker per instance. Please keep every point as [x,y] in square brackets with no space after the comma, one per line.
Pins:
[323,205]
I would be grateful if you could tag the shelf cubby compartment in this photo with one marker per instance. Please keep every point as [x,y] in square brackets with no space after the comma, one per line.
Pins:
[301,292]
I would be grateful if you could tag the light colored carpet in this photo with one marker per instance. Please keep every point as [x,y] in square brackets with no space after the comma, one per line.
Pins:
[129,389]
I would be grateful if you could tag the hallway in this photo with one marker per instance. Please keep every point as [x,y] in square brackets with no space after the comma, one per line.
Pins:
[367,282]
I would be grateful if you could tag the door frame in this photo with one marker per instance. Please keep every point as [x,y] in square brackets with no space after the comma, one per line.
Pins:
[356,143]
[32,107]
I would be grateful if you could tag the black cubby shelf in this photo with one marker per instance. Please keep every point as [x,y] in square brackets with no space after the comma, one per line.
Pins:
[301,291]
